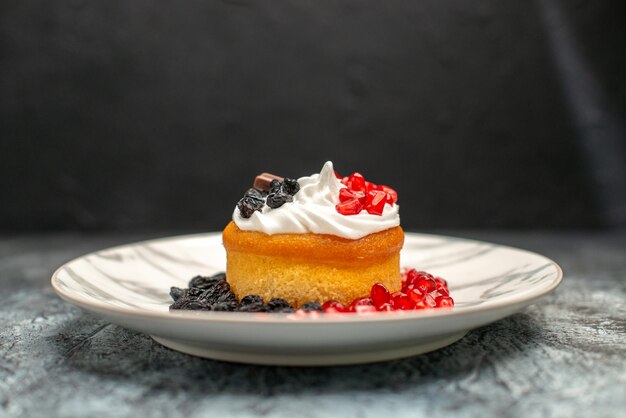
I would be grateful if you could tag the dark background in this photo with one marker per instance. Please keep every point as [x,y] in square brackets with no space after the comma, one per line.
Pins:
[135,115]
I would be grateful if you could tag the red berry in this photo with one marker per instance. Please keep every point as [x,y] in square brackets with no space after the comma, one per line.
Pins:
[345,194]
[361,305]
[411,277]
[391,192]
[443,291]
[370,186]
[444,302]
[414,294]
[334,307]
[420,305]
[400,301]
[375,202]
[349,207]
[361,302]
[379,294]
[357,182]
[429,301]
[425,285]
[441,282]
[386,307]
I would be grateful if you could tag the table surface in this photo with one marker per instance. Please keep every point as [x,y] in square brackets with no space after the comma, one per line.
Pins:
[564,356]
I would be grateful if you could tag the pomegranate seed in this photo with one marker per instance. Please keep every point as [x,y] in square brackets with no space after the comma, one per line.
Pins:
[444,302]
[346,194]
[414,276]
[426,285]
[364,308]
[379,294]
[388,307]
[441,282]
[362,305]
[414,294]
[357,182]
[337,174]
[429,301]
[349,207]
[391,192]
[333,306]
[443,291]
[375,202]
[411,277]
[370,186]
[400,301]
[420,305]
[361,302]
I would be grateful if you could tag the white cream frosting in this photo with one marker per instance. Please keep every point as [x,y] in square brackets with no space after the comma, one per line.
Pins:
[313,210]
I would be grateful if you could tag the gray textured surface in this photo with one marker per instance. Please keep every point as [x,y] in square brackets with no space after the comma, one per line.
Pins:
[562,357]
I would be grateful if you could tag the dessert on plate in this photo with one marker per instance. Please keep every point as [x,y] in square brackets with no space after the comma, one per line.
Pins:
[318,243]
[317,238]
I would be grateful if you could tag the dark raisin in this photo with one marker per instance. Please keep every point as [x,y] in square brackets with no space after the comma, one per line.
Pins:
[228,298]
[176,293]
[203,282]
[311,306]
[275,186]
[253,307]
[251,299]
[197,306]
[248,205]
[216,292]
[276,304]
[180,304]
[225,306]
[255,193]
[276,200]
[194,293]
[290,186]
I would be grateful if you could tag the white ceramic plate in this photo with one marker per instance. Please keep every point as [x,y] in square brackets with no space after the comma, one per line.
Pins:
[129,285]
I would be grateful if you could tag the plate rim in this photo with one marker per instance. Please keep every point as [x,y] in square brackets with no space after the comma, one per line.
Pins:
[278,318]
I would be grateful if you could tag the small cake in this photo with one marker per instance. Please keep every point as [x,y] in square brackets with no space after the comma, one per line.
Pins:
[317,238]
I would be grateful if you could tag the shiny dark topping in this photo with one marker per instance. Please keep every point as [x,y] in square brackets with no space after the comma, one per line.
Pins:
[311,306]
[291,186]
[268,190]
[176,293]
[248,205]
[279,305]
[263,181]
[225,306]
[253,307]
[256,193]
[251,299]
[275,186]
[204,282]
[276,200]
[213,293]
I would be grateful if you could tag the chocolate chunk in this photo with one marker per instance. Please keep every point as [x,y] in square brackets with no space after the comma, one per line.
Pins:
[263,180]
